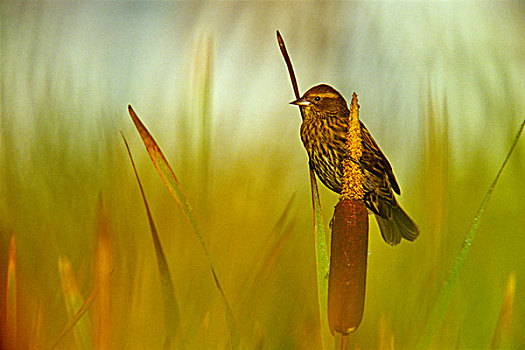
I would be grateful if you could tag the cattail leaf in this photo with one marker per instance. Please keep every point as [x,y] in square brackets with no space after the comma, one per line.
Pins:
[322,262]
[170,180]
[171,309]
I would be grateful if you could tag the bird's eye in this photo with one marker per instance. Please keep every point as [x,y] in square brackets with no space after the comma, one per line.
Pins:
[317,98]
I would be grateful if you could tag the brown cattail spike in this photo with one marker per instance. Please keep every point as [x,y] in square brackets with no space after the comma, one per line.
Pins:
[347,278]
[349,247]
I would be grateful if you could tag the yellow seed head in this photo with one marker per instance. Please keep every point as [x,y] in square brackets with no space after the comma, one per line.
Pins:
[352,176]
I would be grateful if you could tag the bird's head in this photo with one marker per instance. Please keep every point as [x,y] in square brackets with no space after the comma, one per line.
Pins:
[323,100]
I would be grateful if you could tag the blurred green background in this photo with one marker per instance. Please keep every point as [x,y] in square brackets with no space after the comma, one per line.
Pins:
[441,88]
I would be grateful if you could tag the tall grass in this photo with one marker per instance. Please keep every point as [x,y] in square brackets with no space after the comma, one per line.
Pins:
[171,308]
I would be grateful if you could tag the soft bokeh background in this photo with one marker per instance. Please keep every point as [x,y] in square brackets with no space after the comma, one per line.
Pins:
[441,88]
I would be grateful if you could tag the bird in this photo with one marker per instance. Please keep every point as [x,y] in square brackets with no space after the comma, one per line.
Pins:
[324,133]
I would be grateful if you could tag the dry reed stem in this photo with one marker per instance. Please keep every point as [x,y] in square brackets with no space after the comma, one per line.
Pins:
[321,250]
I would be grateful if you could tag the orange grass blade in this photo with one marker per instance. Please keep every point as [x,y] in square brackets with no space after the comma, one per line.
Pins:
[35,337]
[171,309]
[171,181]
[501,336]
[321,250]
[102,269]
[163,168]
[74,301]
[76,317]
[11,297]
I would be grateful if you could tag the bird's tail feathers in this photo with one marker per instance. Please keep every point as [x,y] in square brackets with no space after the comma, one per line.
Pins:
[399,226]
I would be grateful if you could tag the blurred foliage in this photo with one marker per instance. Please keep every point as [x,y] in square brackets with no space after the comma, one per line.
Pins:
[441,89]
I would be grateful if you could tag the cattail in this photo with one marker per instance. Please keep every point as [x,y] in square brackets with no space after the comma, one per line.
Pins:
[349,247]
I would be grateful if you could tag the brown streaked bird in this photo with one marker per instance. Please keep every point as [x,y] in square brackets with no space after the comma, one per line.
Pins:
[323,132]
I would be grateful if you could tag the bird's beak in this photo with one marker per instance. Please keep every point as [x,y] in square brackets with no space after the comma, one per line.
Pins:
[301,102]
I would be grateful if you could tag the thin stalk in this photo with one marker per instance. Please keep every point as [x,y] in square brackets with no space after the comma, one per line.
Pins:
[441,306]
[321,251]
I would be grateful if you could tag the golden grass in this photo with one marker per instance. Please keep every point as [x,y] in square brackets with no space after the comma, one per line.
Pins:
[11,311]
[74,300]
[103,266]
[502,331]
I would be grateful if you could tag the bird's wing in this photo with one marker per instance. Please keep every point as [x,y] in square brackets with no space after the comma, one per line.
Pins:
[375,161]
